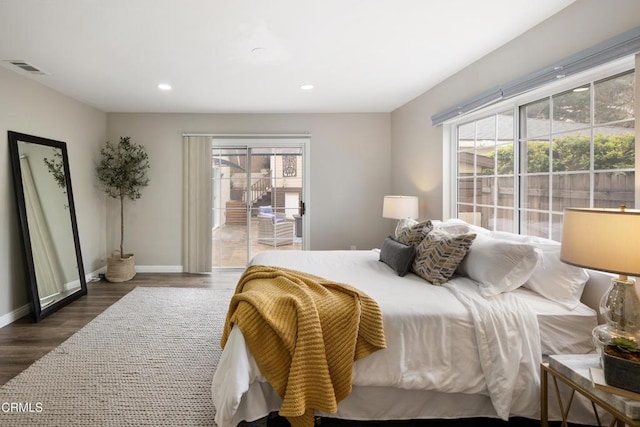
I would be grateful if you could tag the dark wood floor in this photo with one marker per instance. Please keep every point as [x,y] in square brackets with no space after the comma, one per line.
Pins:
[23,342]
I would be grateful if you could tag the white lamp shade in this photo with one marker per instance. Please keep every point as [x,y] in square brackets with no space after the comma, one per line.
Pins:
[400,207]
[602,239]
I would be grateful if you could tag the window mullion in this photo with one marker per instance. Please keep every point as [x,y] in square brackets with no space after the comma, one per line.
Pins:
[519,161]
[516,169]
[551,170]
[475,169]
[592,149]
[496,138]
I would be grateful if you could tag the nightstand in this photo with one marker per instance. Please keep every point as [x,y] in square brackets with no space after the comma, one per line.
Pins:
[573,370]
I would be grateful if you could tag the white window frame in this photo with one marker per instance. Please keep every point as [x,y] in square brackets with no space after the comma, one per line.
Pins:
[449,149]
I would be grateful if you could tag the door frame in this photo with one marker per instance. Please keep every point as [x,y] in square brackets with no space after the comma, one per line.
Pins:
[302,141]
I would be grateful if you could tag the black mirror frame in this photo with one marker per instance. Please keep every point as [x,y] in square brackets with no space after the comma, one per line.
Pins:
[38,312]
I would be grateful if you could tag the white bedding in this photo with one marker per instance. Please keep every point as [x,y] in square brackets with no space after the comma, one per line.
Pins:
[433,335]
[562,331]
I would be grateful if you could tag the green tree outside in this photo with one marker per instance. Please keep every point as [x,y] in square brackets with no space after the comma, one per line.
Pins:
[570,153]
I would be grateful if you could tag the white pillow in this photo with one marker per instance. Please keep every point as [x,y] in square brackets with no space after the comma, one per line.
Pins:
[450,226]
[553,279]
[499,265]
[458,226]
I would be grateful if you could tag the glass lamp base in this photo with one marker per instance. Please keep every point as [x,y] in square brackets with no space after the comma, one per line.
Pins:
[601,337]
[620,306]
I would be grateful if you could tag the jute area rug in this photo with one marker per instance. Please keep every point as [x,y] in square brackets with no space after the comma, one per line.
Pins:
[147,360]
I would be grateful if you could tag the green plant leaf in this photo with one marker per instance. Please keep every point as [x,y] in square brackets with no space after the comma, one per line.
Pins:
[626,344]
[122,172]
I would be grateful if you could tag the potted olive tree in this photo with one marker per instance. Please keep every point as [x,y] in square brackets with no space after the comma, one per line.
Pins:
[122,171]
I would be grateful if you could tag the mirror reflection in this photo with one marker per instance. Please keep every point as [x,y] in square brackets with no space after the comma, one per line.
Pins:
[45,205]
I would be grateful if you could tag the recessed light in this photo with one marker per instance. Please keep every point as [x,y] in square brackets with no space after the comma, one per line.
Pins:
[164,86]
[306,86]
[581,89]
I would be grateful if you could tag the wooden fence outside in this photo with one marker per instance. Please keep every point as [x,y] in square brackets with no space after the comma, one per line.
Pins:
[611,189]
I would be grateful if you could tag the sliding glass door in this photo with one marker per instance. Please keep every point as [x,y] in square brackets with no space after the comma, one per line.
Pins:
[258,198]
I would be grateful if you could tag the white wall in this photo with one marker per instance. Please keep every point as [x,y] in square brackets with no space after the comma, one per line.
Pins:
[350,174]
[31,108]
[416,148]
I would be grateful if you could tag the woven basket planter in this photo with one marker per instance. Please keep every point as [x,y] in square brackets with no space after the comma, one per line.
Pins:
[120,269]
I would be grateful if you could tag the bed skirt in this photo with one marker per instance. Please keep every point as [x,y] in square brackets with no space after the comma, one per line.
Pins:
[387,403]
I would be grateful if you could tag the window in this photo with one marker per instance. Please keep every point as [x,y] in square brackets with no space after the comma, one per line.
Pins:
[486,172]
[575,148]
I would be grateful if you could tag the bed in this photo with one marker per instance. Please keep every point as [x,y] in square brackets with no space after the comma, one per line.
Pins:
[452,352]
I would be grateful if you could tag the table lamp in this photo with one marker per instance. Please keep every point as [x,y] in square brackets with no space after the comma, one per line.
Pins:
[607,240]
[400,208]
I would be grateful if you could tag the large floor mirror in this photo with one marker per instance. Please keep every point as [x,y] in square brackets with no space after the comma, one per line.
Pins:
[47,217]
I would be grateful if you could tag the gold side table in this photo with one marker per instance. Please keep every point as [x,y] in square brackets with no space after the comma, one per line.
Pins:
[573,370]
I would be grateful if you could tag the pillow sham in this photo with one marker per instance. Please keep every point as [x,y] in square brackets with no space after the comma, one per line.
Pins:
[499,265]
[413,232]
[397,255]
[451,226]
[438,255]
[552,278]
[458,226]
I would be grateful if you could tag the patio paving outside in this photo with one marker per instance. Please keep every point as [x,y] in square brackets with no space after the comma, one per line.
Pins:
[229,246]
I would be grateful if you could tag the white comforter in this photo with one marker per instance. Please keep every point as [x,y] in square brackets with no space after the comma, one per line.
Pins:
[508,341]
[444,338]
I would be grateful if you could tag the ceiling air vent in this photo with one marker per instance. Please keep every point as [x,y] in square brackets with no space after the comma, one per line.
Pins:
[25,66]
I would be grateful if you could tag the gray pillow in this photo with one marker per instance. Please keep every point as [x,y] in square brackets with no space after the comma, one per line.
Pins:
[397,255]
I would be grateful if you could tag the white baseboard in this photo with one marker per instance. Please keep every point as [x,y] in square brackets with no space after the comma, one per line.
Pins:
[72,285]
[94,276]
[97,272]
[15,315]
[159,269]
[26,309]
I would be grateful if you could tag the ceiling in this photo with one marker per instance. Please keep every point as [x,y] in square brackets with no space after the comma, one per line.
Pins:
[252,56]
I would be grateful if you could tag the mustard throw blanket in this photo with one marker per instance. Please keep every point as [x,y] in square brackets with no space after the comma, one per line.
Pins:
[305,333]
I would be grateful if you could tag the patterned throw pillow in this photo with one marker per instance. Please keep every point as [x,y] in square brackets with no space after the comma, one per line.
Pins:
[413,232]
[439,254]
